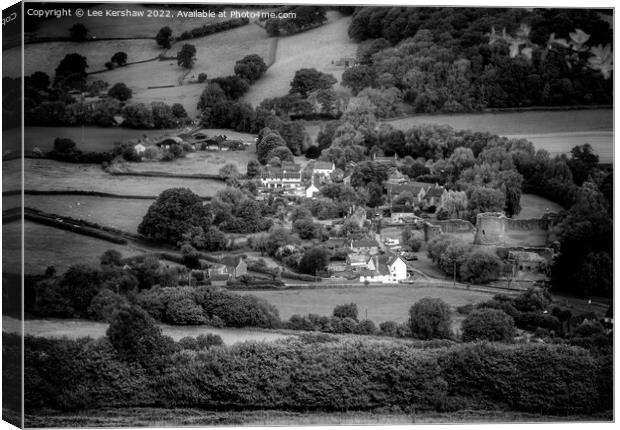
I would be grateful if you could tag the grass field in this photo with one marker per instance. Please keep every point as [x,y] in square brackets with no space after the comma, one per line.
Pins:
[73,329]
[123,214]
[381,303]
[201,162]
[533,206]
[159,417]
[45,57]
[46,246]
[48,175]
[315,48]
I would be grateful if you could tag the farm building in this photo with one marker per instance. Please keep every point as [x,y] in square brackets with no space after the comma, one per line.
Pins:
[323,168]
[361,261]
[364,246]
[235,266]
[287,176]
[390,269]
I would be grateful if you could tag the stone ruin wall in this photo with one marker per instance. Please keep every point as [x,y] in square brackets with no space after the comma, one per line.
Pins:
[436,228]
[493,227]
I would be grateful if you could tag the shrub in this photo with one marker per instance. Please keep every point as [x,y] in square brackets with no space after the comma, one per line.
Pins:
[346,311]
[430,319]
[388,328]
[488,324]
[530,321]
[202,77]
[120,91]
[200,342]
[480,267]
[104,305]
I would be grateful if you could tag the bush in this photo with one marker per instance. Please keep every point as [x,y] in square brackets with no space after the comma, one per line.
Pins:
[200,342]
[430,319]
[104,305]
[488,324]
[120,91]
[530,321]
[480,267]
[346,311]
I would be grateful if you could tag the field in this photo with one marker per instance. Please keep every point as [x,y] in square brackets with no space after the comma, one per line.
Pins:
[533,206]
[123,214]
[375,303]
[48,175]
[315,48]
[216,56]
[84,328]
[46,246]
[37,56]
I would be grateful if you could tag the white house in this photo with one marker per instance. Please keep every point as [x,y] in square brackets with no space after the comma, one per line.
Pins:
[361,261]
[311,191]
[323,168]
[140,148]
[390,269]
[288,176]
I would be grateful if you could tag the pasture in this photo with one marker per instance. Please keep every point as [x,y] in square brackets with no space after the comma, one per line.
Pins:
[200,162]
[533,206]
[315,48]
[46,246]
[122,214]
[37,57]
[75,328]
[390,303]
[49,175]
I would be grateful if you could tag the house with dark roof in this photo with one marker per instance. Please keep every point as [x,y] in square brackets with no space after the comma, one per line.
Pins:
[364,246]
[235,266]
[323,168]
[284,177]
[433,195]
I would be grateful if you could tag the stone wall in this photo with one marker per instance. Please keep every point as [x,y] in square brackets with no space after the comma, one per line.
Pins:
[494,228]
[446,226]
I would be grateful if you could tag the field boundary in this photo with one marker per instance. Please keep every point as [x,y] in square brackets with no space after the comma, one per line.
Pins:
[153,174]
[83,193]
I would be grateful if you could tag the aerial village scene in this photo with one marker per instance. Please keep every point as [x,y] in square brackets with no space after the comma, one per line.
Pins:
[294,215]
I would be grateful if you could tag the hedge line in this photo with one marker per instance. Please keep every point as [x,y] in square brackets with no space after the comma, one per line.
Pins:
[208,29]
[352,375]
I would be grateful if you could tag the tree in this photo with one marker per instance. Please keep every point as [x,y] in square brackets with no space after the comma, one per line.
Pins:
[186,56]
[174,212]
[111,257]
[409,239]
[583,160]
[309,80]
[136,338]
[253,169]
[348,310]
[430,319]
[211,95]
[71,64]
[120,91]
[202,77]
[104,305]
[480,267]
[38,80]
[267,144]
[493,325]
[307,229]
[138,115]
[282,153]
[483,199]
[359,77]
[163,37]
[229,172]
[119,58]
[454,203]
[250,67]
[511,182]
[314,260]
[78,32]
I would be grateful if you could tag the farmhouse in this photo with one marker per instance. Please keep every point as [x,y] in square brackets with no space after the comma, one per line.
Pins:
[417,190]
[390,269]
[361,261]
[235,266]
[433,195]
[364,246]
[323,168]
[287,176]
